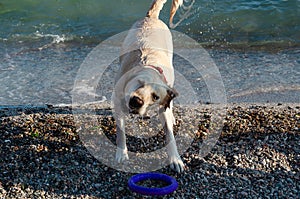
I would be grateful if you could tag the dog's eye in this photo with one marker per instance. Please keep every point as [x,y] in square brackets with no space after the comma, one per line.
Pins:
[155,97]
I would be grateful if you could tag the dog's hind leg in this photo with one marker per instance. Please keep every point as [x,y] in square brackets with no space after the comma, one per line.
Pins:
[167,120]
[157,6]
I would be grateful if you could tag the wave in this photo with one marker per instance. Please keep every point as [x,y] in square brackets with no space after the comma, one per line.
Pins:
[94,20]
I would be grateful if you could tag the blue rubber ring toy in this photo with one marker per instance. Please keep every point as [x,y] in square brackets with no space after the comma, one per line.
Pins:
[132,184]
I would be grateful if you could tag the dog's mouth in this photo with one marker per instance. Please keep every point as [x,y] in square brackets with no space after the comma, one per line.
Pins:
[137,111]
[133,111]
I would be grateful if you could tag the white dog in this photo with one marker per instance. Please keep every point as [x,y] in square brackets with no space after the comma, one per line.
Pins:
[146,78]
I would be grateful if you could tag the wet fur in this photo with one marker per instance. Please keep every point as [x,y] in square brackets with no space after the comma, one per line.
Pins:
[148,43]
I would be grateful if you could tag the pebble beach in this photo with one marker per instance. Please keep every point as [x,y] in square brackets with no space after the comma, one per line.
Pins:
[56,121]
[256,156]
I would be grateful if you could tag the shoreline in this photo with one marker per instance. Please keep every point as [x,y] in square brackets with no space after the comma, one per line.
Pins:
[257,155]
[247,76]
[65,108]
[267,46]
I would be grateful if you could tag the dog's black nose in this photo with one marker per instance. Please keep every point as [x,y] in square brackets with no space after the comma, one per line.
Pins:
[135,102]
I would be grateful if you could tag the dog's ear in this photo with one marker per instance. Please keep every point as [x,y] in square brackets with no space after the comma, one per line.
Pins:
[171,94]
[141,82]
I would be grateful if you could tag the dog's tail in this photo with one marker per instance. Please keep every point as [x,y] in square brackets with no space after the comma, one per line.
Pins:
[157,5]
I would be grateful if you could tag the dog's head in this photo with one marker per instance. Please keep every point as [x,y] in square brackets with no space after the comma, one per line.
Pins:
[149,94]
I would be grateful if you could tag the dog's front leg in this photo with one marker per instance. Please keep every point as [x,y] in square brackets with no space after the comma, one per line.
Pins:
[167,119]
[122,153]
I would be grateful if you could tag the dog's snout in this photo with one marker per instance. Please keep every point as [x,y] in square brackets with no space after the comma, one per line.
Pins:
[135,102]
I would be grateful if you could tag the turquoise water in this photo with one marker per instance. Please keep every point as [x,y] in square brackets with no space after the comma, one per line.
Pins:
[95,20]
[44,42]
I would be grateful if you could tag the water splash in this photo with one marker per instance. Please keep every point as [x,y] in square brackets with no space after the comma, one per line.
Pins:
[56,39]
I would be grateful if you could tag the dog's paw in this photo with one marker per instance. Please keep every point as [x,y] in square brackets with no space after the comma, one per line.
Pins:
[176,163]
[121,155]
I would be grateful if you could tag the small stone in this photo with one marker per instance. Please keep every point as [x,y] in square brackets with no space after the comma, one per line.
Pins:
[244,194]
[97,185]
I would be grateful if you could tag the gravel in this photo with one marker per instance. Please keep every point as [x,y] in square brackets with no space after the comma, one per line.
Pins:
[256,156]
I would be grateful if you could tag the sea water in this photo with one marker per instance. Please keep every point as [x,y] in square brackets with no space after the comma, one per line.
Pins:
[254,44]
